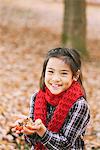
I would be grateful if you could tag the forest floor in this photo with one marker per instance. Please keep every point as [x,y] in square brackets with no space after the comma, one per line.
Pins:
[28,29]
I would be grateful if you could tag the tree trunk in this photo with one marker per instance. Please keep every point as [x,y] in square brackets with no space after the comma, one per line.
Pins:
[74,25]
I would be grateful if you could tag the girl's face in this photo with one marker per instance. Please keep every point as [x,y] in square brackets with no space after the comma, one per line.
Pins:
[58,75]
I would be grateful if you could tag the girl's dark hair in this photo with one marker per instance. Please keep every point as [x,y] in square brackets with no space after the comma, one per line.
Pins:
[70,56]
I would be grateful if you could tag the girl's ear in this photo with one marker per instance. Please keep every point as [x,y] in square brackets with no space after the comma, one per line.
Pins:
[75,78]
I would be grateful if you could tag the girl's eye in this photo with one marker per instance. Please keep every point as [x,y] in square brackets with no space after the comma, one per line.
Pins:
[49,71]
[64,73]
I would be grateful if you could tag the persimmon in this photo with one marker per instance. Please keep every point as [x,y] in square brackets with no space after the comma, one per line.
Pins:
[19,128]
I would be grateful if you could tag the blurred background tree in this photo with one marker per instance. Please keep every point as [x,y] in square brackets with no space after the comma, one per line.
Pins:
[74,25]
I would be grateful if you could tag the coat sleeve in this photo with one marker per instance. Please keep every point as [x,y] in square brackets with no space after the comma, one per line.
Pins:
[31,109]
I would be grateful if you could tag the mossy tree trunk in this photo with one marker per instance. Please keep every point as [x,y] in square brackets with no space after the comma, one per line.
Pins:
[74,25]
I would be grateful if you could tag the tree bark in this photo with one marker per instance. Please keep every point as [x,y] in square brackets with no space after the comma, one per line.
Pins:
[74,25]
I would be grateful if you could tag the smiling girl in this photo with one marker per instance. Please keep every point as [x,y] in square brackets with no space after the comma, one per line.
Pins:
[59,110]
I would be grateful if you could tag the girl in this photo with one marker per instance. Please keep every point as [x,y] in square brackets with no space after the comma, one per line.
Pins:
[59,110]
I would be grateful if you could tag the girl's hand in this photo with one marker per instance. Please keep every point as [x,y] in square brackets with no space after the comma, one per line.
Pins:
[38,128]
[17,127]
[27,126]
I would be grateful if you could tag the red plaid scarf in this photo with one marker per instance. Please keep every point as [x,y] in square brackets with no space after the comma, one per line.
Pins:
[63,102]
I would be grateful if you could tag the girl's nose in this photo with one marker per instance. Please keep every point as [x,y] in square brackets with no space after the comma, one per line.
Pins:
[56,78]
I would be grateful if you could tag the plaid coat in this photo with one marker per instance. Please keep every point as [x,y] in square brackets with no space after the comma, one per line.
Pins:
[72,132]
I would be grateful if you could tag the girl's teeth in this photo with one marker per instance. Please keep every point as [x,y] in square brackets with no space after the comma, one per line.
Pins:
[54,85]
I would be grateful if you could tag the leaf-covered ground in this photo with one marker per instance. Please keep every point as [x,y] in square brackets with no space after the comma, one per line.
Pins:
[27,31]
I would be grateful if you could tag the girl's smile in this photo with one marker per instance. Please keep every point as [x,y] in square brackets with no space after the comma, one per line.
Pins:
[58,75]
[56,86]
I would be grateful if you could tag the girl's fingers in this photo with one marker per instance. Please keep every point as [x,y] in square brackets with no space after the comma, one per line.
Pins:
[30,127]
[38,121]
[13,129]
[27,131]
[35,127]
[18,132]
[38,124]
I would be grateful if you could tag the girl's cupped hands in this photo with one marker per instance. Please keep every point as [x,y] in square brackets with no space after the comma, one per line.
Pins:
[25,125]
